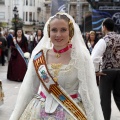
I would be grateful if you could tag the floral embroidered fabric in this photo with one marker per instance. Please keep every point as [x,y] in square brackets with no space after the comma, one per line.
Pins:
[36,111]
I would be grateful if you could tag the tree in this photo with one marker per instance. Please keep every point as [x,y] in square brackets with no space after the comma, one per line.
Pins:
[3,24]
[18,21]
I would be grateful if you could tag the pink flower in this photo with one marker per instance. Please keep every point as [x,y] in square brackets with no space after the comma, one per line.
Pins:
[60,114]
[42,113]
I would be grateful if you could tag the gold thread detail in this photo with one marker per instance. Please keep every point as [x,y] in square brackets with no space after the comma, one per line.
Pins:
[56,68]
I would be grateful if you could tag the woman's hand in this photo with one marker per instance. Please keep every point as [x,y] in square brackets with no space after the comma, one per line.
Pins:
[0,43]
[14,40]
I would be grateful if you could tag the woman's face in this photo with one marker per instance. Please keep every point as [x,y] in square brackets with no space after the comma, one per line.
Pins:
[39,32]
[19,33]
[59,32]
[92,36]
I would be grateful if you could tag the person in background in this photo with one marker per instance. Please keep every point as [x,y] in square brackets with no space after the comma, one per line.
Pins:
[31,43]
[17,66]
[9,41]
[86,36]
[38,37]
[68,66]
[91,41]
[108,48]
[3,44]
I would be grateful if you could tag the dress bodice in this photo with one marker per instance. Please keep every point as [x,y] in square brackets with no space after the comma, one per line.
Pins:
[67,77]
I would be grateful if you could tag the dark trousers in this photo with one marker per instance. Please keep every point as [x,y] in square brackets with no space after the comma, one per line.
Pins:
[109,83]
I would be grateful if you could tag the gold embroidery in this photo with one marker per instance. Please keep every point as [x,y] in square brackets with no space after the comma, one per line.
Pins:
[56,68]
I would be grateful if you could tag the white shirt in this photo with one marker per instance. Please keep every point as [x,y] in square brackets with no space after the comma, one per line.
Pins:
[98,52]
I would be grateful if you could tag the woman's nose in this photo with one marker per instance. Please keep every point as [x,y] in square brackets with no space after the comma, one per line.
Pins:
[58,34]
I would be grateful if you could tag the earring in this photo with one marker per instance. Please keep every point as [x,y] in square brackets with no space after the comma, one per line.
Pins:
[69,41]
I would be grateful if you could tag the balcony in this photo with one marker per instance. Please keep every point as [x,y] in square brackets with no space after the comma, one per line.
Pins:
[2,2]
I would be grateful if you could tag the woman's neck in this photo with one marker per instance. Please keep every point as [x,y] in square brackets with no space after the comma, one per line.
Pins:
[19,37]
[92,40]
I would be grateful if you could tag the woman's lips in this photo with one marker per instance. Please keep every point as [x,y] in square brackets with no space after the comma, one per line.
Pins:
[58,40]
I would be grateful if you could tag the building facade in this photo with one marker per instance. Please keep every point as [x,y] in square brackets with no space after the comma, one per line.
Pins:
[35,13]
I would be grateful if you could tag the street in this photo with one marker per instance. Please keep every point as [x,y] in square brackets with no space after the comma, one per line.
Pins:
[11,89]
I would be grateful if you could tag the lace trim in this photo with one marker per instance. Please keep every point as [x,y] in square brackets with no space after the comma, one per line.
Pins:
[67,67]
[83,86]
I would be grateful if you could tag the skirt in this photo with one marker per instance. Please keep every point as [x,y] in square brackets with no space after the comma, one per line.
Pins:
[1,94]
[36,111]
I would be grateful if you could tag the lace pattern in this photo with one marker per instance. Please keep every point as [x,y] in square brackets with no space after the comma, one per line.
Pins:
[86,75]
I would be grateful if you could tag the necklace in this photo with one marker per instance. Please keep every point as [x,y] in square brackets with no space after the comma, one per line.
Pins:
[58,52]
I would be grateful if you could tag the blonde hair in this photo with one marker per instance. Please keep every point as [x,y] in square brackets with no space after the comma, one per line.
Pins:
[64,17]
[92,32]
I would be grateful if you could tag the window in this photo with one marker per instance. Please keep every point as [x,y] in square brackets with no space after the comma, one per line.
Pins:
[2,15]
[31,2]
[16,2]
[26,16]
[26,2]
[23,16]
[30,16]
[34,3]
[2,2]
[34,16]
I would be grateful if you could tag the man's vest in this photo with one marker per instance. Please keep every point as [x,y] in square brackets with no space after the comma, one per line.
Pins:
[111,56]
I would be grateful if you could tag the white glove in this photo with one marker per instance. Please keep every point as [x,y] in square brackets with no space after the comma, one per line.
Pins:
[27,55]
[14,40]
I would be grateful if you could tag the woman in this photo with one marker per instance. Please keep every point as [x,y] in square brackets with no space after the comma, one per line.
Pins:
[17,66]
[38,37]
[68,64]
[92,40]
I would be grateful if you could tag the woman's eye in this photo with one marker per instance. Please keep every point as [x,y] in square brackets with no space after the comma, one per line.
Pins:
[63,30]
[54,30]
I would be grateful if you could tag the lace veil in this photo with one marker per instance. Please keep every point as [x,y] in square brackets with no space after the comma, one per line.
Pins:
[86,75]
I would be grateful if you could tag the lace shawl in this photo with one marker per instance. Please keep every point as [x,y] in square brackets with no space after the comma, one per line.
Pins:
[86,75]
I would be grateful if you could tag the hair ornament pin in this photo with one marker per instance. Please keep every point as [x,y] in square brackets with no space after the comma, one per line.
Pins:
[70,22]
[61,13]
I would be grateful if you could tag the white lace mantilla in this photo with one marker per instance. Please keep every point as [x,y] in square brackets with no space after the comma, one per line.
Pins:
[85,75]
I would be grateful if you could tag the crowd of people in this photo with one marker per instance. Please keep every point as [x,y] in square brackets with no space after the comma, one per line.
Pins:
[63,68]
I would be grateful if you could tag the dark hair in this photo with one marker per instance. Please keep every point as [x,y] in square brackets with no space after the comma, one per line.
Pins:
[109,24]
[24,39]
[36,35]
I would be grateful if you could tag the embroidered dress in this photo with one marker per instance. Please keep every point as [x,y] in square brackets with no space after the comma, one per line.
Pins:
[78,77]
[67,78]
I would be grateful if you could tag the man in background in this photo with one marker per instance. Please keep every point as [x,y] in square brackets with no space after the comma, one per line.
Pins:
[9,39]
[108,48]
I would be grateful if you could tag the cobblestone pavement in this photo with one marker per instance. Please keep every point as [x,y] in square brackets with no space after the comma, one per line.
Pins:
[11,91]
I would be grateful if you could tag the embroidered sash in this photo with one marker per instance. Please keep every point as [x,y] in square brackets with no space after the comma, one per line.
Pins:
[21,53]
[53,88]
